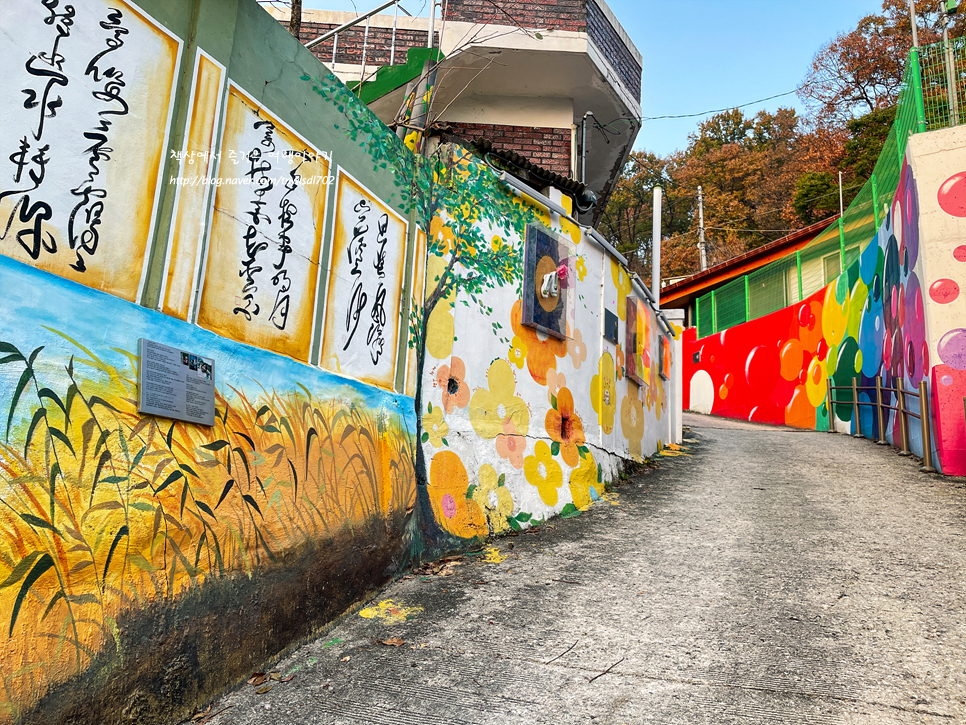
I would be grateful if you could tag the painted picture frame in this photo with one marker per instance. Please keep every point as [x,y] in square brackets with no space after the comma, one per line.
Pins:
[548,279]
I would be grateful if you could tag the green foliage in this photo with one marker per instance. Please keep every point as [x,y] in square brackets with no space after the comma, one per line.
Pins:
[816,196]
[867,135]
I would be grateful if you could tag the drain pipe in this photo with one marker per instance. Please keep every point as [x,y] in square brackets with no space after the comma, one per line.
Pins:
[656,248]
[583,148]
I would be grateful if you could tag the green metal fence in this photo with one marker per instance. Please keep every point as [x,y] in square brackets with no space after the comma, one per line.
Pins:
[932,88]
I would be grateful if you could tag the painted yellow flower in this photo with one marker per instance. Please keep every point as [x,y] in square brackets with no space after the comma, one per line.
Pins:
[544,473]
[494,498]
[584,486]
[441,328]
[622,283]
[518,352]
[632,420]
[434,427]
[603,392]
[491,408]
[572,230]
[581,268]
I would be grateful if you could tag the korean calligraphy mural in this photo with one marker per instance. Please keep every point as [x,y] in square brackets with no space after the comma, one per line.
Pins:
[198,159]
[266,236]
[88,89]
[365,286]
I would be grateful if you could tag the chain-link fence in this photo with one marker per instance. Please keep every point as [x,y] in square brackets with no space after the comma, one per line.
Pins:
[932,90]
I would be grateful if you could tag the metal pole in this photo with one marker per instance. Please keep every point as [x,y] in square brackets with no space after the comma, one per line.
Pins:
[855,410]
[915,23]
[798,263]
[656,247]
[392,46]
[702,248]
[335,46]
[714,312]
[747,301]
[830,403]
[841,245]
[583,147]
[918,97]
[880,411]
[903,423]
[841,198]
[432,24]
[875,201]
[951,75]
[365,47]
[345,26]
[925,420]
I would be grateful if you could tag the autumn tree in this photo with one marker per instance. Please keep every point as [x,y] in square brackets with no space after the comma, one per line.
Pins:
[628,219]
[862,70]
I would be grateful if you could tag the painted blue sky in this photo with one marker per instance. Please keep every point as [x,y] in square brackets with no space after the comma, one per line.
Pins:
[704,55]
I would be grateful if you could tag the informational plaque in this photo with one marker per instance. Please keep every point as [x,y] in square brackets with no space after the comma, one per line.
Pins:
[175,383]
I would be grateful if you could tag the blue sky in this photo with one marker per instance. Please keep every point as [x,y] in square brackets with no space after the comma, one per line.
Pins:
[704,55]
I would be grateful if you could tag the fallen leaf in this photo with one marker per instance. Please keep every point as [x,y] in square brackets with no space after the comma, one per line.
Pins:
[256,681]
[275,675]
[394,642]
[263,690]
[201,714]
[255,676]
[345,659]
[287,679]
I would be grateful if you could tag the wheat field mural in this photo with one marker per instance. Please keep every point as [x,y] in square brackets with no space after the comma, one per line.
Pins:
[104,511]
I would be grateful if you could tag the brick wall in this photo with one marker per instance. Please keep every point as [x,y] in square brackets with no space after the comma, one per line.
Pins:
[545,14]
[546,147]
[602,33]
[349,49]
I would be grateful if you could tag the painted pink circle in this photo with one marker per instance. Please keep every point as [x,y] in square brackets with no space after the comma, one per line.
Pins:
[952,195]
[944,291]
[449,506]
[960,253]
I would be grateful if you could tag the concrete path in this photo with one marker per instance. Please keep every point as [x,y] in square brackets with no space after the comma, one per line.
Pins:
[773,576]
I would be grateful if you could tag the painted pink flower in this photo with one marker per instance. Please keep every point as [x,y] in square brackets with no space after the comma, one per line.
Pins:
[452,380]
[577,348]
[555,381]
[511,446]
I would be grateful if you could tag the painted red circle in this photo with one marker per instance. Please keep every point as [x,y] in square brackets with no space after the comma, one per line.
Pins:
[952,195]
[944,291]
[960,253]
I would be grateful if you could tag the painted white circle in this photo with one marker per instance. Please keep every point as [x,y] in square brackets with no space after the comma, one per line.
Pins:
[702,392]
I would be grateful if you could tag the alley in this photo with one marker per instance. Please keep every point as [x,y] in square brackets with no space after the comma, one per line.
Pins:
[769,576]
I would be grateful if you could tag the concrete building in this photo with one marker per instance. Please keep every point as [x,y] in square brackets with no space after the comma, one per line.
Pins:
[528,78]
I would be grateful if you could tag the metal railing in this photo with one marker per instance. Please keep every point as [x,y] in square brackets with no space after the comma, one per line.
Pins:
[334,35]
[934,75]
[903,413]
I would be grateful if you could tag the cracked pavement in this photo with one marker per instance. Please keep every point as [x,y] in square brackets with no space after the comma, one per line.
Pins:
[769,576]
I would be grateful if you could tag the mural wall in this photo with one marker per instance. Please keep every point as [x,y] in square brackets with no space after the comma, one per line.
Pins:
[533,423]
[397,373]
[115,522]
[895,313]
[89,90]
